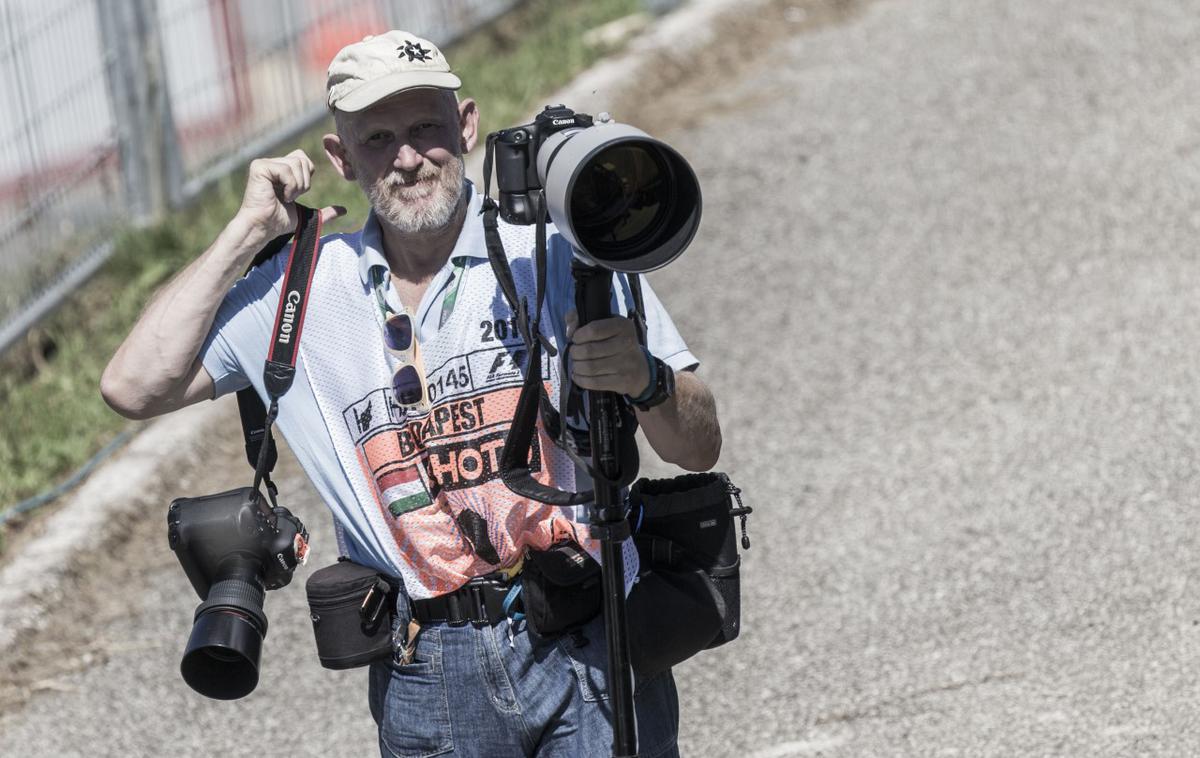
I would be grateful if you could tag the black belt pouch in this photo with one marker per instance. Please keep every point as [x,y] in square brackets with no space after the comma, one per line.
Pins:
[688,594]
[351,610]
[560,588]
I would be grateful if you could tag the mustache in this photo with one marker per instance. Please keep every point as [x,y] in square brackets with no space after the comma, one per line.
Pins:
[400,179]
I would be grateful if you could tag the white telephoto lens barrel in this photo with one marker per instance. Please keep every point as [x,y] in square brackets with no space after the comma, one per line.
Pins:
[623,199]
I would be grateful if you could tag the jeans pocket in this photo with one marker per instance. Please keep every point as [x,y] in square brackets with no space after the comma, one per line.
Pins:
[587,651]
[416,708]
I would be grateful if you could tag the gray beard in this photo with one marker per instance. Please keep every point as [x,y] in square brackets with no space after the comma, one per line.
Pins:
[435,210]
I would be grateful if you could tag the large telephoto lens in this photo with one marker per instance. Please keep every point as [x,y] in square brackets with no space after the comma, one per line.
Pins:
[624,200]
[222,654]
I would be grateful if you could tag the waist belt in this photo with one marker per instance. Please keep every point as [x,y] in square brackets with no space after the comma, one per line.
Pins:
[479,601]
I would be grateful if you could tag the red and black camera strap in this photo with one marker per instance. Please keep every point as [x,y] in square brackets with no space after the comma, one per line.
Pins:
[280,367]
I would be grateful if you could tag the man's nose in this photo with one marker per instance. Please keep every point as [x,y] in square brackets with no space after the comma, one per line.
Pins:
[407,158]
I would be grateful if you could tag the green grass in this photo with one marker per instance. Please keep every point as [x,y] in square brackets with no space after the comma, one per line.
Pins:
[54,418]
[537,59]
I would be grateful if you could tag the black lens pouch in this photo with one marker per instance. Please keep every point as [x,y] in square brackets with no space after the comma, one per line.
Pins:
[688,594]
[351,609]
[560,588]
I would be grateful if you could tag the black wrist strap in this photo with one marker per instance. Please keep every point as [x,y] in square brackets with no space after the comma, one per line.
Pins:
[639,307]
[280,368]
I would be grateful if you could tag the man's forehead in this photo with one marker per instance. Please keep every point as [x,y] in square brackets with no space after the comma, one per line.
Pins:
[413,104]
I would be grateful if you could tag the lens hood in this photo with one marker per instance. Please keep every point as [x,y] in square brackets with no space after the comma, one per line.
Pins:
[623,199]
[222,654]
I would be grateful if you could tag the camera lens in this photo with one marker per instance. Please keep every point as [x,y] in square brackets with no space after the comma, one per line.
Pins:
[222,654]
[624,200]
[219,654]
[620,200]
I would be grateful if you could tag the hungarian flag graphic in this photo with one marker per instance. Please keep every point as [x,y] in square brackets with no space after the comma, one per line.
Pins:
[403,490]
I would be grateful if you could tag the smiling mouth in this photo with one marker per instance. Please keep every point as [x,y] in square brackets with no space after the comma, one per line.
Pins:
[415,191]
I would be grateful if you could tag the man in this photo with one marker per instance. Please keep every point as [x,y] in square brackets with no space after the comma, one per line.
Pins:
[409,467]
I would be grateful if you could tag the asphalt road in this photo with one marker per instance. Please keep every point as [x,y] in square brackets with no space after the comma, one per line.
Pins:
[946,296]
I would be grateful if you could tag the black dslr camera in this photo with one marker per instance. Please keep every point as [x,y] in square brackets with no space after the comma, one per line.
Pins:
[624,200]
[233,547]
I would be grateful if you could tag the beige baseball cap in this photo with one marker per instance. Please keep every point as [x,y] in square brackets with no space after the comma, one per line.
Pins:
[366,72]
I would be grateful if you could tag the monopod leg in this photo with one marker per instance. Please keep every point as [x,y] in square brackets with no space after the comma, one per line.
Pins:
[593,293]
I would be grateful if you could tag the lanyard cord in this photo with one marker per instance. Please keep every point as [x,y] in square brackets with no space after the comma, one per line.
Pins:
[451,297]
[379,275]
[261,470]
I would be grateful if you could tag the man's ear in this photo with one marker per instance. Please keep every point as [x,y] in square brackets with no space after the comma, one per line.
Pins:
[337,156]
[468,124]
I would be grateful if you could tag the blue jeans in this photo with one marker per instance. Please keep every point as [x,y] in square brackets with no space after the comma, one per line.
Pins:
[502,691]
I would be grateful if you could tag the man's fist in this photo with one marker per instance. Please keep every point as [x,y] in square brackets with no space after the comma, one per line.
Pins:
[606,356]
[272,186]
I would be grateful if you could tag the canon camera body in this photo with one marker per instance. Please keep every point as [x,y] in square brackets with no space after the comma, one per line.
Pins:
[233,547]
[517,149]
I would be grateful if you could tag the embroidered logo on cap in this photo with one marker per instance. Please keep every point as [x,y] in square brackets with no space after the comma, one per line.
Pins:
[414,51]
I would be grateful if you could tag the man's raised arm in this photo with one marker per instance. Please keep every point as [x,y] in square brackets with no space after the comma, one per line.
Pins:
[157,368]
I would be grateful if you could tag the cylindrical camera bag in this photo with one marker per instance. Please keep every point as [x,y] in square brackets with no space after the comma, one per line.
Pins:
[351,610]
[688,595]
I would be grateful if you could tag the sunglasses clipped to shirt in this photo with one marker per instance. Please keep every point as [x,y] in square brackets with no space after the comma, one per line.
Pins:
[408,381]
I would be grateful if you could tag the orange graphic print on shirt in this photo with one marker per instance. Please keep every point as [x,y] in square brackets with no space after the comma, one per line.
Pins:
[429,469]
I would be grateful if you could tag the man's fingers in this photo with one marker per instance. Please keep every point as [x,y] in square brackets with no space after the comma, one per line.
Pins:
[302,158]
[599,382]
[280,174]
[306,169]
[298,184]
[598,351]
[304,181]
[605,355]
[593,370]
[606,328]
[272,188]
[289,176]
[330,212]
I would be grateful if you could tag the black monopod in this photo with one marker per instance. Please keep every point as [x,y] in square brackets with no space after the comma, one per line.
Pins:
[593,293]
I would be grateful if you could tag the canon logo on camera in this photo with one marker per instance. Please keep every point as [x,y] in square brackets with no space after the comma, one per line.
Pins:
[563,121]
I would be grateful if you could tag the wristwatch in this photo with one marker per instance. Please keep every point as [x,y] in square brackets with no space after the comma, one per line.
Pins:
[662,386]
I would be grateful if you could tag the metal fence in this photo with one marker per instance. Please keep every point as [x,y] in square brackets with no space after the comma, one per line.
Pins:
[119,109]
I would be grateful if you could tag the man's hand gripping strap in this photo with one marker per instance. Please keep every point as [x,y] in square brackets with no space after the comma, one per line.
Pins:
[289,316]
[280,368]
